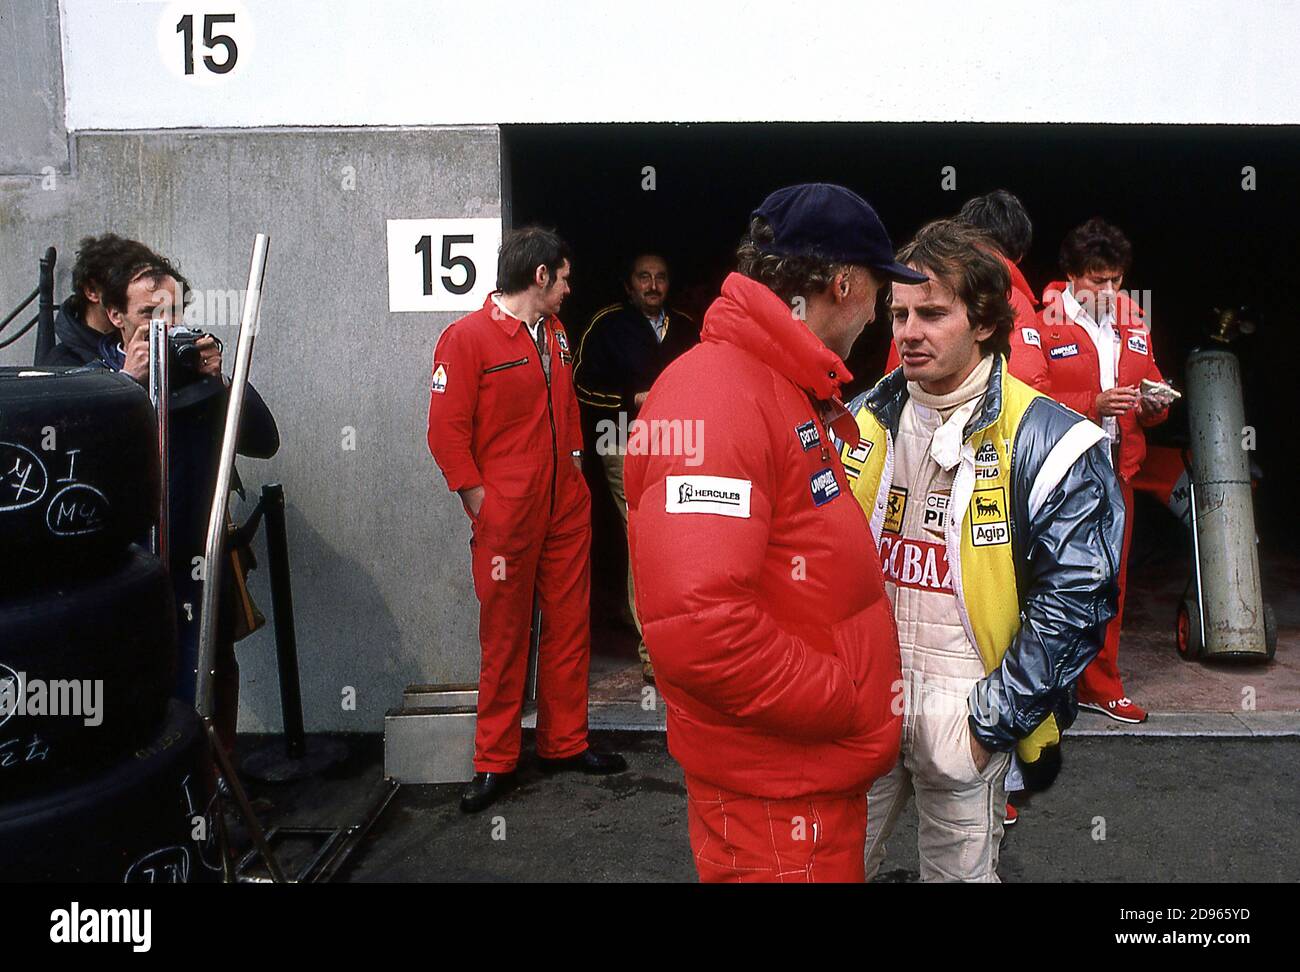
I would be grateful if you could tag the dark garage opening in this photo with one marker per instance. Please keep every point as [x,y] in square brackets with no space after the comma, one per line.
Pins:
[1200,241]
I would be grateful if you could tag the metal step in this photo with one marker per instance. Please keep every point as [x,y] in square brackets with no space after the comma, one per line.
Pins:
[430,738]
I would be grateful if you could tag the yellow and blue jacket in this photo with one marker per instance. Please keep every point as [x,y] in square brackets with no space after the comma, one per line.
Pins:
[1033,555]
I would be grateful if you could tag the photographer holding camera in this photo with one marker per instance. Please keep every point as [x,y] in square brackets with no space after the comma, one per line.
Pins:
[129,285]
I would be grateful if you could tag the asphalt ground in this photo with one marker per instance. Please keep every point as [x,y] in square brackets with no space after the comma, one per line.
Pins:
[1125,809]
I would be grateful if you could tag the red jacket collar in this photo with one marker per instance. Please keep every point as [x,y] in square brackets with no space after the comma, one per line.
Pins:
[508,322]
[1018,281]
[750,316]
[1127,312]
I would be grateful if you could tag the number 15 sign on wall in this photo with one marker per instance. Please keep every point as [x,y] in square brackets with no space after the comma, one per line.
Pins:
[441,264]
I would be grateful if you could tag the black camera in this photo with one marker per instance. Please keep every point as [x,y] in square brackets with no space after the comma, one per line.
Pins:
[182,343]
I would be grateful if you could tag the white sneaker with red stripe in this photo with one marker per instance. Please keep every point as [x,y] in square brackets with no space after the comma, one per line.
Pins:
[1121,710]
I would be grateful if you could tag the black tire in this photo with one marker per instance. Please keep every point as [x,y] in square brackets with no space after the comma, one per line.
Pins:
[118,630]
[133,822]
[1187,630]
[79,471]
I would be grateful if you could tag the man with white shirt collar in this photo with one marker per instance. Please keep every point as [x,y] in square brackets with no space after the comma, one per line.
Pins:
[1091,350]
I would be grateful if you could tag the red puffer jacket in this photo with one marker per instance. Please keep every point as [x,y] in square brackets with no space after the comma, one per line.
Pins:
[757,581]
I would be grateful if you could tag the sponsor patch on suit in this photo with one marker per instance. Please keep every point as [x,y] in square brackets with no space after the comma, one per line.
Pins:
[1030,336]
[1064,351]
[935,516]
[719,495]
[809,436]
[855,459]
[894,509]
[988,517]
[824,486]
[1138,343]
[439,383]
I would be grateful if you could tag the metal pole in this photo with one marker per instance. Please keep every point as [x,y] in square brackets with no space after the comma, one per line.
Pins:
[216,547]
[286,641]
[45,306]
[159,394]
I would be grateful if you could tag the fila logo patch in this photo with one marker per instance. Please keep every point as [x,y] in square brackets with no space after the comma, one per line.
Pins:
[1138,343]
[719,495]
[1030,336]
[894,511]
[809,436]
[824,487]
[1064,351]
[988,517]
[439,383]
[918,564]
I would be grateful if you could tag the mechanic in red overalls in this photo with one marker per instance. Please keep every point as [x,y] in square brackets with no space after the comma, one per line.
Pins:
[1091,350]
[504,430]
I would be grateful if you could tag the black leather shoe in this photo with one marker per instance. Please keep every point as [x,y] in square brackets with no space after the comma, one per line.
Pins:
[484,790]
[588,761]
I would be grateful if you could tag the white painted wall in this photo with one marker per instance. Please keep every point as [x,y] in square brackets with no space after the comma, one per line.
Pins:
[437,62]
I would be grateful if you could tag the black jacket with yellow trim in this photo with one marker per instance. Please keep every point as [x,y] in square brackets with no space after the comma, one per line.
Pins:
[620,356]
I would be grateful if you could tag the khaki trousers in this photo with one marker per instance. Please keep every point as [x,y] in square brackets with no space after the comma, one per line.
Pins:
[614,476]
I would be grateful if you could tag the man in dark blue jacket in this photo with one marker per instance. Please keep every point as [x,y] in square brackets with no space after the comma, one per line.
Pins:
[624,350]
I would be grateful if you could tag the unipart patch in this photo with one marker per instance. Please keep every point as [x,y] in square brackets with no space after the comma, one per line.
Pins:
[439,383]
[894,509]
[824,487]
[719,495]
[1138,343]
[1064,351]
[988,517]
[809,435]
[918,564]
[1030,336]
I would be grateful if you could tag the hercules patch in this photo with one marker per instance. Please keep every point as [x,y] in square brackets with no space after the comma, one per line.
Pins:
[988,517]
[719,495]
[894,510]
[824,487]
[439,383]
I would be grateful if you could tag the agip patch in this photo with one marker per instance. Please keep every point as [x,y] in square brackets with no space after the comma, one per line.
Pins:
[989,524]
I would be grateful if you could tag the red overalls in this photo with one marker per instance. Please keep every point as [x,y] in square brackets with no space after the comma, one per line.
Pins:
[497,420]
[1057,357]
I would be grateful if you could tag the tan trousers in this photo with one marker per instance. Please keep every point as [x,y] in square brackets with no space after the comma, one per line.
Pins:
[960,810]
[614,476]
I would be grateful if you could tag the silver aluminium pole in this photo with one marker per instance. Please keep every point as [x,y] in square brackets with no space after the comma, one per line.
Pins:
[159,389]
[214,558]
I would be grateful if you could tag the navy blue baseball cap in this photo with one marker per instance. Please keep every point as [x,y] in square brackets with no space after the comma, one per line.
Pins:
[821,219]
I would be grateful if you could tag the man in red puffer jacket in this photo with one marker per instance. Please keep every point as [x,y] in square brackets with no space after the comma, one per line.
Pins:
[756,578]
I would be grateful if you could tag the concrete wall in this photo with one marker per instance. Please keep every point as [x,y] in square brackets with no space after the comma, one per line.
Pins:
[379,547]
